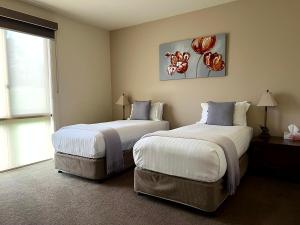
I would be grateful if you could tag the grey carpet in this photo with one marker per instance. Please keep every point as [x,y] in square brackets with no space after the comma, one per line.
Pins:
[38,195]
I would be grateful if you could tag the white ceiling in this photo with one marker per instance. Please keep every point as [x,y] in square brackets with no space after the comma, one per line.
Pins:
[115,14]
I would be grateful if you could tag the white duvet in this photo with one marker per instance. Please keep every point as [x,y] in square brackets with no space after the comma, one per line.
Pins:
[190,158]
[87,141]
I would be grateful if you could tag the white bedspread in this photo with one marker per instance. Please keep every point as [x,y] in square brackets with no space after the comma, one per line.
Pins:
[88,141]
[190,158]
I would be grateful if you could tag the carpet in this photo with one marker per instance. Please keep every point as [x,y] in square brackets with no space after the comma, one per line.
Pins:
[38,195]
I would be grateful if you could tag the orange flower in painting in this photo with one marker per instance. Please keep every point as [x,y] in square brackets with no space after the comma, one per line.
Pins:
[202,44]
[214,61]
[179,62]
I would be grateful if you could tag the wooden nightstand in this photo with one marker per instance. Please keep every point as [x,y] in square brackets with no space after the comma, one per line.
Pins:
[275,156]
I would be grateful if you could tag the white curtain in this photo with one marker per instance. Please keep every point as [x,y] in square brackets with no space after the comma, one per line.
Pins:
[28,66]
[4,104]
[25,90]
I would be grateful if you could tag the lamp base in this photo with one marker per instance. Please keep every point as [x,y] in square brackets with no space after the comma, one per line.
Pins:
[123,112]
[264,133]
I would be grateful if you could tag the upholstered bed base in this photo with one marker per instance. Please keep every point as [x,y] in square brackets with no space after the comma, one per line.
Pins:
[201,195]
[86,167]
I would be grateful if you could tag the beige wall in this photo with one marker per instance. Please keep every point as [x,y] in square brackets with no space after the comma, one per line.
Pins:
[263,53]
[83,65]
[263,37]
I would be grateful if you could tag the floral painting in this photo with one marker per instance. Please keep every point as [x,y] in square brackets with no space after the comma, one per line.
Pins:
[203,56]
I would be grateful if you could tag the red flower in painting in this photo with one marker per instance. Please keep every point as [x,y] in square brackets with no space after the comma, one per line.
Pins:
[202,44]
[179,62]
[213,61]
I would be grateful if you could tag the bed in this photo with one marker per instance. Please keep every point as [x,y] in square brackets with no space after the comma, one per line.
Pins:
[81,149]
[191,171]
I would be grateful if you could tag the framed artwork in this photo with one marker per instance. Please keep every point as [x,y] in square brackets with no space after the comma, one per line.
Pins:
[199,57]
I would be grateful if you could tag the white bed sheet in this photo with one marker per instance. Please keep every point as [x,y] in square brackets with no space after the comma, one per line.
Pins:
[189,158]
[90,143]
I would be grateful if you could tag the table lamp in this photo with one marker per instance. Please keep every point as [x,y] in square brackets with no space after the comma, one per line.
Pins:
[266,101]
[123,101]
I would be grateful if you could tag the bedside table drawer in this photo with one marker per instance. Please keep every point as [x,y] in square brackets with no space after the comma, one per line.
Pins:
[283,157]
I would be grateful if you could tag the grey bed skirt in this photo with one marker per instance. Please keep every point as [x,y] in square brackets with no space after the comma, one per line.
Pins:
[94,169]
[201,195]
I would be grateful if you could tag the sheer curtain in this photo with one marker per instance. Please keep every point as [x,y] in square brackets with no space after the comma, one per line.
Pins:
[25,102]
[4,104]
[28,66]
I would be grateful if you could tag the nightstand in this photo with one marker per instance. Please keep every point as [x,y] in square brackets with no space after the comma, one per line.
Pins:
[275,156]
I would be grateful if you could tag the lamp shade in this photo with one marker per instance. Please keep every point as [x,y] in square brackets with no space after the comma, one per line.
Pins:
[267,100]
[123,100]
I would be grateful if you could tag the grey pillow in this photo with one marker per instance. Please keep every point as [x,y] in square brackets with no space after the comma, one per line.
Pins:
[140,110]
[220,113]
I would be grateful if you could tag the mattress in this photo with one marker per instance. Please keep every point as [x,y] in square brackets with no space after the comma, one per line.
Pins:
[90,143]
[190,158]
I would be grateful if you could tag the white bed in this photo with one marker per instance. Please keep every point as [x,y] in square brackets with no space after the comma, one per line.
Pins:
[89,142]
[80,149]
[190,158]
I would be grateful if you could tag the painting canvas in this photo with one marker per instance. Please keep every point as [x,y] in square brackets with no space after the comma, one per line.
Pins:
[203,56]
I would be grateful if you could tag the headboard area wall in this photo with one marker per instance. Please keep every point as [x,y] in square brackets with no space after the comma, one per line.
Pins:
[262,53]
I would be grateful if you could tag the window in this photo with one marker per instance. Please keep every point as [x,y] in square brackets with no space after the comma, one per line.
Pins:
[25,103]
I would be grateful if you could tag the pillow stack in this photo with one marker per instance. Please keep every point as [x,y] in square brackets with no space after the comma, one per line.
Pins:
[144,110]
[225,113]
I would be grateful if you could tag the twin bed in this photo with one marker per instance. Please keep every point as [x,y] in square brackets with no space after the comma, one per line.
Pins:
[185,167]
[80,149]
[197,165]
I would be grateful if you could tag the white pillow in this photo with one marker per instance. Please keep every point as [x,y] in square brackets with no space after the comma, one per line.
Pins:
[156,111]
[239,115]
[204,113]
[129,118]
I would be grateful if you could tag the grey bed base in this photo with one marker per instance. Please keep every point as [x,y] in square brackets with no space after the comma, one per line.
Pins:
[200,195]
[94,169]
